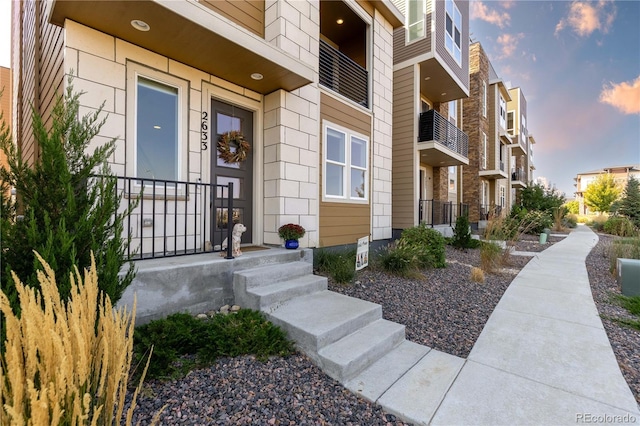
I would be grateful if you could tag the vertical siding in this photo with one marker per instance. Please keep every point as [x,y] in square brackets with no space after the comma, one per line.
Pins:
[343,223]
[461,71]
[249,14]
[404,116]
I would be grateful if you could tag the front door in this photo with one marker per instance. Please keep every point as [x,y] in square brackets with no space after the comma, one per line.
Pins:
[226,118]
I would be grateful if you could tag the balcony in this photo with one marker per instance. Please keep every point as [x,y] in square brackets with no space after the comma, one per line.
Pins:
[518,146]
[441,144]
[341,74]
[518,178]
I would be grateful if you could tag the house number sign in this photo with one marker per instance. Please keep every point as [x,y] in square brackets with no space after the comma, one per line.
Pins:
[205,133]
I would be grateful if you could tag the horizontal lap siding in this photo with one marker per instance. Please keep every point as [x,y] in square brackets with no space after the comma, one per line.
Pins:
[51,72]
[246,13]
[403,148]
[343,223]
[27,94]
[460,71]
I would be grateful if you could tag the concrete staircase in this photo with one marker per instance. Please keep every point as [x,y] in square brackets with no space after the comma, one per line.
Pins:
[349,339]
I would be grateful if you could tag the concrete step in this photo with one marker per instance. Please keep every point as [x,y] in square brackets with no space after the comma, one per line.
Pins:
[353,353]
[320,319]
[382,374]
[269,274]
[259,298]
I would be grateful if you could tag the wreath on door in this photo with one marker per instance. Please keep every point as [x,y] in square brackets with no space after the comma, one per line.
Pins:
[229,140]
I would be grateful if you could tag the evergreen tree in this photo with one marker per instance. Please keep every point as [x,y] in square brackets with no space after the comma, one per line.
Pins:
[601,194]
[67,204]
[630,203]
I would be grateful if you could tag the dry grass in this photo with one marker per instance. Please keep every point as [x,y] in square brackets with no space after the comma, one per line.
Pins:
[65,363]
[477,275]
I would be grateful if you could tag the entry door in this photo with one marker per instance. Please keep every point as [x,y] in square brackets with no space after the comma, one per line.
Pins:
[226,118]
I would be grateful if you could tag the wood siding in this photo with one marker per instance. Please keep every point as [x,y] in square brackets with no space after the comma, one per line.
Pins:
[51,69]
[249,14]
[5,105]
[343,223]
[404,116]
[461,71]
[26,91]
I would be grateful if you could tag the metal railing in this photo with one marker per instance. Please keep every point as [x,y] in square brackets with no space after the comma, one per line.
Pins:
[489,211]
[174,218]
[341,74]
[434,127]
[435,212]
[518,175]
[502,166]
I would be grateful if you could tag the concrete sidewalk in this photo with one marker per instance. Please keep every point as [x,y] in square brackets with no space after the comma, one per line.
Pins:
[543,356]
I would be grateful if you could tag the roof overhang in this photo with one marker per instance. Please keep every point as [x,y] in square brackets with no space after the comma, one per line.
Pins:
[193,34]
[390,12]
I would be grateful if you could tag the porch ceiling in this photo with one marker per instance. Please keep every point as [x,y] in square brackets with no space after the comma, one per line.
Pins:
[194,35]
[437,84]
[518,184]
[493,174]
[435,154]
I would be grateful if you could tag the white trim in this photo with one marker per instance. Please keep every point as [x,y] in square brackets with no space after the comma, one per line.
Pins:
[408,42]
[346,197]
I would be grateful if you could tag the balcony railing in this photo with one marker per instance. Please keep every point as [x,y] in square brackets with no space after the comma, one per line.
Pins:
[435,212]
[174,218]
[434,127]
[518,175]
[502,166]
[489,211]
[341,74]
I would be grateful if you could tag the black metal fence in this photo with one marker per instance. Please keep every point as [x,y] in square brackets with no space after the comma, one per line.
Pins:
[341,74]
[435,212]
[434,127]
[518,175]
[489,211]
[174,218]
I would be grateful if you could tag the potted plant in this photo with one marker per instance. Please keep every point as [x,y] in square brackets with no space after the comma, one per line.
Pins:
[290,233]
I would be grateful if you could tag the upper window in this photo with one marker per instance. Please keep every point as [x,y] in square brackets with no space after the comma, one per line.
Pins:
[483,157]
[453,29]
[510,123]
[415,19]
[346,164]
[157,127]
[503,196]
[453,112]
[503,113]
[484,98]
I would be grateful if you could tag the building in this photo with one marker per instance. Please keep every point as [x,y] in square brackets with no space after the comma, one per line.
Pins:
[308,84]
[486,178]
[5,104]
[621,175]
[521,141]
[430,76]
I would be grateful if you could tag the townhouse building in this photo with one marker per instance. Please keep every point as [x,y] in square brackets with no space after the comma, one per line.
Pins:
[430,77]
[621,175]
[521,152]
[5,104]
[308,85]
[486,178]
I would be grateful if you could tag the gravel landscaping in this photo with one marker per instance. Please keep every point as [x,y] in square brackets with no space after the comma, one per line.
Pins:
[445,310]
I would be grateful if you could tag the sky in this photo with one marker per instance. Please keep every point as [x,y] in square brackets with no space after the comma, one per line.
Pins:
[578,64]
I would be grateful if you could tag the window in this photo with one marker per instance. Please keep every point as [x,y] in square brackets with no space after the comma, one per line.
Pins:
[503,113]
[415,19]
[502,195]
[510,123]
[484,192]
[483,154]
[346,165]
[453,112]
[157,127]
[484,98]
[452,178]
[453,29]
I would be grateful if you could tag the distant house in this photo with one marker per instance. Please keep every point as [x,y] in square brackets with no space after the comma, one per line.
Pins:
[309,84]
[621,175]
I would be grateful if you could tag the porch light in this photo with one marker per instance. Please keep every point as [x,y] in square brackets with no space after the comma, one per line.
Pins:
[140,25]
[257,76]
[340,21]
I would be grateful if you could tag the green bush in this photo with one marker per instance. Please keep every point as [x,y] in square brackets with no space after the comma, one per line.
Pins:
[570,221]
[597,223]
[396,261]
[625,248]
[242,333]
[462,234]
[620,226]
[503,228]
[425,245]
[490,256]
[535,222]
[340,265]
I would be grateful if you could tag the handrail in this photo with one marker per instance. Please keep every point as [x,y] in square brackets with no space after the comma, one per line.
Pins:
[341,74]
[434,127]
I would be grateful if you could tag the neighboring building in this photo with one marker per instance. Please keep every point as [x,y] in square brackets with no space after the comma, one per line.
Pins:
[309,84]
[430,76]
[621,175]
[521,163]
[486,178]
[5,104]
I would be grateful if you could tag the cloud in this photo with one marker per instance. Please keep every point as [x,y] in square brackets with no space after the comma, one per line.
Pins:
[586,17]
[508,43]
[507,4]
[480,11]
[624,96]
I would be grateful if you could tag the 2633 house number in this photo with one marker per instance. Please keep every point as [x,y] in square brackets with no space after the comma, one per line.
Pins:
[205,131]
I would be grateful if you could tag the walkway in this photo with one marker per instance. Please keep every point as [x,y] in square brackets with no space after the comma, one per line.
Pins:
[543,356]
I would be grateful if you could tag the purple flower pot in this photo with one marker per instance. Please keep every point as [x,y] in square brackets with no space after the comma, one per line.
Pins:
[291,244]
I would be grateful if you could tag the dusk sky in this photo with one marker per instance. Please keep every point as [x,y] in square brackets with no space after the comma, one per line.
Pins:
[578,64]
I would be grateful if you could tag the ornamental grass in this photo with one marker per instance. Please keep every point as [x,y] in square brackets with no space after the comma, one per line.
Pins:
[65,362]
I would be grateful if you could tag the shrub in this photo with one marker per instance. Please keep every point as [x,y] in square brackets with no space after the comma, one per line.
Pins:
[630,203]
[597,222]
[462,234]
[477,275]
[64,361]
[626,248]
[573,206]
[338,264]
[490,257]
[67,214]
[570,221]
[425,245]
[396,261]
[502,229]
[620,226]
[245,332]
[558,216]
[535,222]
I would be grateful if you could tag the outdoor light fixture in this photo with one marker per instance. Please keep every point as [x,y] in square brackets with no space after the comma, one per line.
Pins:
[340,21]
[257,76]
[140,25]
